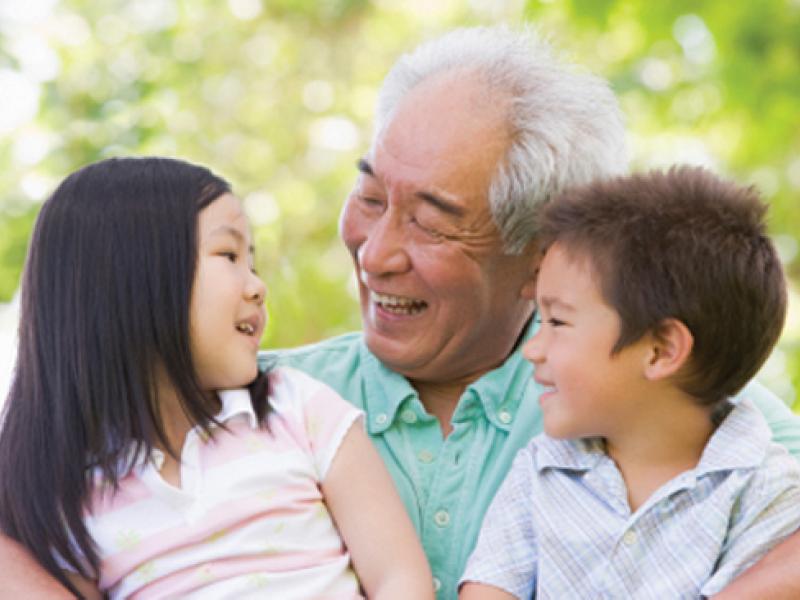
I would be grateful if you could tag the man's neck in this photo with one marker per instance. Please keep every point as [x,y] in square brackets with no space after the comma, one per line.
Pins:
[441,399]
[660,445]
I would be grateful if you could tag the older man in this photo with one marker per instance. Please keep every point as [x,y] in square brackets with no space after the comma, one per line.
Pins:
[474,130]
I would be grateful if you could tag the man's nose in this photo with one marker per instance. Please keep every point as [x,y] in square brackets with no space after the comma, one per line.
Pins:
[384,250]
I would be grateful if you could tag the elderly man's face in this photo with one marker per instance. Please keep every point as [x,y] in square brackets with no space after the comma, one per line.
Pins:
[440,300]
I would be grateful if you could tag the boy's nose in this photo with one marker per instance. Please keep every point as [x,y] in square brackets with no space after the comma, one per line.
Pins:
[533,350]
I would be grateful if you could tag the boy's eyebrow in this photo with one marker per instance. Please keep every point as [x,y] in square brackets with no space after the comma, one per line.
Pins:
[550,301]
[436,201]
[232,231]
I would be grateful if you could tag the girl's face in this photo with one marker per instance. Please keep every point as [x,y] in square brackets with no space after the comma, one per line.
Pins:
[227,309]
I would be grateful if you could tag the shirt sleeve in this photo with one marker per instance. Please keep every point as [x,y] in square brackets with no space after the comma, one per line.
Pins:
[785,425]
[506,553]
[327,418]
[767,512]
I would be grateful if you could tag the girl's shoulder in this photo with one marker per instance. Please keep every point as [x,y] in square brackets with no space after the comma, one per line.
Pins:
[292,389]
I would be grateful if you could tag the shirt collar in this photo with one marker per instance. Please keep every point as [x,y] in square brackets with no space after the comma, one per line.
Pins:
[740,442]
[236,402]
[572,455]
[501,390]
[498,392]
[386,391]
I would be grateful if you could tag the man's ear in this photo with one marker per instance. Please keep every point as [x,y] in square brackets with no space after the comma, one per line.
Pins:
[528,291]
[672,344]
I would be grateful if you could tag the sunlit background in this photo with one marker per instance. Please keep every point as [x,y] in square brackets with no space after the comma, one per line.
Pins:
[277,96]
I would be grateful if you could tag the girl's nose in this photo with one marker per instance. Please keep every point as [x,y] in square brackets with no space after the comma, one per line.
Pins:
[257,289]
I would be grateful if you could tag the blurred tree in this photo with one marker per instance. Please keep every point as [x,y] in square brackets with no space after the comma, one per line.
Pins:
[278,95]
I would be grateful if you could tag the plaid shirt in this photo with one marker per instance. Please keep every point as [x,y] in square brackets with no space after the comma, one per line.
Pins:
[561,525]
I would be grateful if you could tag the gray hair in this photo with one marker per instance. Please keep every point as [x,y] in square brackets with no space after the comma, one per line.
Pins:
[566,125]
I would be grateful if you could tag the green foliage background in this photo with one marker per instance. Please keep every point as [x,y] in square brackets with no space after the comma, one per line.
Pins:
[277,96]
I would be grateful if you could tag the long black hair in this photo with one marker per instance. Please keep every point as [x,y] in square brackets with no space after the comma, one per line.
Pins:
[105,304]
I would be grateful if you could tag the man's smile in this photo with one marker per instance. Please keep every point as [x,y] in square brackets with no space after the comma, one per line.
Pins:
[398,305]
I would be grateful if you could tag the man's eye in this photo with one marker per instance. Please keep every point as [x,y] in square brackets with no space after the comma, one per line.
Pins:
[430,231]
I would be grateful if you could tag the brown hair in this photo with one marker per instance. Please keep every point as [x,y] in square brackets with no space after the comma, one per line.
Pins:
[683,244]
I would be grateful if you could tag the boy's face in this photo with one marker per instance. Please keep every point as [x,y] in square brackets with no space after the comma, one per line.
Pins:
[588,391]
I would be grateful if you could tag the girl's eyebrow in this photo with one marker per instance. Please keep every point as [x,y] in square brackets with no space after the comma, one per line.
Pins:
[232,231]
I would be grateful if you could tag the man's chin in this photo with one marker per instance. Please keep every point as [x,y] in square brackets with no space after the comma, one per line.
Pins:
[399,355]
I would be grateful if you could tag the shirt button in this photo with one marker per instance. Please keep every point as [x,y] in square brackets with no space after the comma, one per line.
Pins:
[408,416]
[504,416]
[629,539]
[442,518]
[381,419]
[437,585]
[425,456]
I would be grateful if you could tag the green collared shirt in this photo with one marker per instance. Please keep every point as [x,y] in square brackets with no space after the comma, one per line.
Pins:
[447,483]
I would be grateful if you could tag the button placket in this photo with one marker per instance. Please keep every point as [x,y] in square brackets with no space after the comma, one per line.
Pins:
[408,416]
[441,518]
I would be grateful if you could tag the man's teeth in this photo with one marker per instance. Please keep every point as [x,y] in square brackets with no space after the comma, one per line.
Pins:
[399,305]
[246,328]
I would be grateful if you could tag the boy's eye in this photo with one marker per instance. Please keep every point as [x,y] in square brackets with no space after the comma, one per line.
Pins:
[552,321]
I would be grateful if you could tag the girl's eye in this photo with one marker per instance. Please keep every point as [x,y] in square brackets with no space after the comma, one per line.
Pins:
[231,256]
[370,202]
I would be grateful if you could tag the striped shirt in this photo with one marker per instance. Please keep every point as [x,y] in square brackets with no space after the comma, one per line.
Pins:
[249,519]
[561,524]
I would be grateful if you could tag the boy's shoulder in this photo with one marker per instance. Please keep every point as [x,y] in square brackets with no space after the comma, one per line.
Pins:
[743,441]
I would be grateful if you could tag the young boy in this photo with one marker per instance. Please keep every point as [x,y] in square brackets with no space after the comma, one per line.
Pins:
[660,296]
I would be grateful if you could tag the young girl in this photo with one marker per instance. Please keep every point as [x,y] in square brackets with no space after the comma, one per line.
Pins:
[142,453]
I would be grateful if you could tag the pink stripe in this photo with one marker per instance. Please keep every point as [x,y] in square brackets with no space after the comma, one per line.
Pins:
[328,410]
[242,440]
[225,517]
[188,580]
[104,499]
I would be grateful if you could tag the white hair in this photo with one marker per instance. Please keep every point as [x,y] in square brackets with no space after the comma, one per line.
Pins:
[566,125]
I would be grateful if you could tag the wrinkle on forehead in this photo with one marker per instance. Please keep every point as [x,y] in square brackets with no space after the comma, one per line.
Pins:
[446,138]
[447,115]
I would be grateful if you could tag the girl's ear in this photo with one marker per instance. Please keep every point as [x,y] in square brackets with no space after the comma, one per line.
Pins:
[672,344]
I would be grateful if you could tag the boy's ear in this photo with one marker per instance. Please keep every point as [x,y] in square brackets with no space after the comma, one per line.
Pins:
[672,344]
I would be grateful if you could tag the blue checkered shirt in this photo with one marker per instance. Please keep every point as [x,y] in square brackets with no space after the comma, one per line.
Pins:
[561,525]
